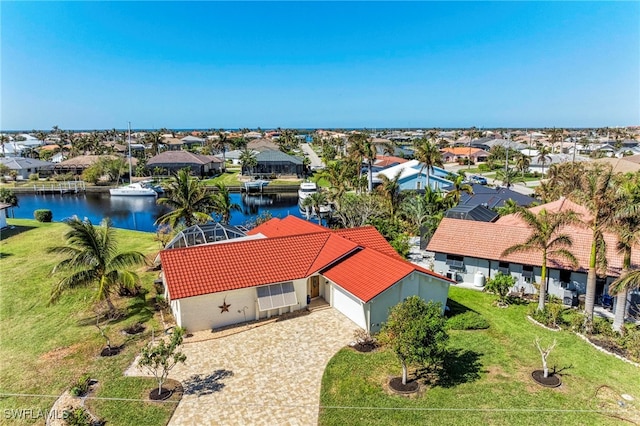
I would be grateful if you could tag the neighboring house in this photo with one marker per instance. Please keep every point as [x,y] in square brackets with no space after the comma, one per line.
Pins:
[77,165]
[27,166]
[192,141]
[537,166]
[355,270]
[465,248]
[622,165]
[233,156]
[262,145]
[413,176]
[4,208]
[272,162]
[173,161]
[493,197]
[385,161]
[173,144]
[450,155]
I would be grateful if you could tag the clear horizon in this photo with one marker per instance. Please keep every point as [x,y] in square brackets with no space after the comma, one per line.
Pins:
[203,65]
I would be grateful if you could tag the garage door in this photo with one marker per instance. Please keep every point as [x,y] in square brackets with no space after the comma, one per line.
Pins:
[349,306]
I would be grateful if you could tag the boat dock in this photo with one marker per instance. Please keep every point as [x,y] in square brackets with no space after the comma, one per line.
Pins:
[67,187]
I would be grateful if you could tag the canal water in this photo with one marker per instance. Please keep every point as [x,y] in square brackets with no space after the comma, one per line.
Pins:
[141,213]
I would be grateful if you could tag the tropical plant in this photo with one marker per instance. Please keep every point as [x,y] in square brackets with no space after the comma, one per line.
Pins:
[544,354]
[597,194]
[314,202]
[7,196]
[509,207]
[429,156]
[546,238]
[522,163]
[160,357]
[543,156]
[358,209]
[416,332]
[189,199]
[508,176]
[390,191]
[248,160]
[500,286]
[92,259]
[455,193]
[222,204]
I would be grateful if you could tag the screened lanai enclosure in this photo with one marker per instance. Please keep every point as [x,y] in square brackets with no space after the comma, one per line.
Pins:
[276,163]
[206,234]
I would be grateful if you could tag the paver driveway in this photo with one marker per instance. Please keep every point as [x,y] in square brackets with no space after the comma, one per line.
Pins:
[277,370]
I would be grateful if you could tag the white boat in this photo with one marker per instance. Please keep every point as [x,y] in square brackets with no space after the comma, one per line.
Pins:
[137,189]
[134,189]
[306,190]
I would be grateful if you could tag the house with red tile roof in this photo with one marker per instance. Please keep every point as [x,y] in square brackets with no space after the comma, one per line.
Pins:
[285,263]
[465,249]
[460,153]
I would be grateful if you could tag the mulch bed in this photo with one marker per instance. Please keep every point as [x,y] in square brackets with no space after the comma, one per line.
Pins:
[552,381]
[609,345]
[113,350]
[364,347]
[134,329]
[395,384]
[171,389]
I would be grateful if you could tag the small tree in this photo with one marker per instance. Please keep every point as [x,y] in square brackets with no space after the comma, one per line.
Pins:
[159,359]
[415,332]
[500,285]
[544,353]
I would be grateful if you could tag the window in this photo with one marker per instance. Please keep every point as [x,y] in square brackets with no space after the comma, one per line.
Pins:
[565,276]
[276,296]
[527,273]
[455,262]
[418,185]
[504,268]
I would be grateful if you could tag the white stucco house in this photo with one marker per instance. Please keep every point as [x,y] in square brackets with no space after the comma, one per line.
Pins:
[4,208]
[285,263]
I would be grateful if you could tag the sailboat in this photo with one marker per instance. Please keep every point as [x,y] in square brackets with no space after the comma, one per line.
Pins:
[136,189]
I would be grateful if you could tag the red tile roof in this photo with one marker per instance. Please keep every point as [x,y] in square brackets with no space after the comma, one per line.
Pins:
[293,249]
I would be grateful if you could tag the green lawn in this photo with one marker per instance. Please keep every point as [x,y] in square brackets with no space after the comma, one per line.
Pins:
[230,178]
[44,349]
[488,370]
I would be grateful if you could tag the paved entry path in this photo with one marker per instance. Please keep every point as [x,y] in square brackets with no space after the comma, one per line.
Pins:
[268,375]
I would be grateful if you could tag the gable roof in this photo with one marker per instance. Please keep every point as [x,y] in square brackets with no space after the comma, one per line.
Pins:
[493,197]
[294,249]
[271,156]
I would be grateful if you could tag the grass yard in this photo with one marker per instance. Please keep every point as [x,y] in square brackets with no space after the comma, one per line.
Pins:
[488,379]
[44,349]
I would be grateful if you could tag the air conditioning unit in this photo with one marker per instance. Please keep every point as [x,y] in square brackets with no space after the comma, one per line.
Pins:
[451,275]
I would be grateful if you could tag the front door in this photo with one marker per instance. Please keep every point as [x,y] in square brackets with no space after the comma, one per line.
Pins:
[315,286]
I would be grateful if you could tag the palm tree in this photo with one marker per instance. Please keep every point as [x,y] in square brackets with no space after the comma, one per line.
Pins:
[522,163]
[3,139]
[509,176]
[509,207]
[429,156]
[556,136]
[189,199]
[222,204]
[154,138]
[248,160]
[627,227]
[390,190]
[597,194]
[458,187]
[543,156]
[546,238]
[370,156]
[357,149]
[338,173]
[220,145]
[315,201]
[627,282]
[93,259]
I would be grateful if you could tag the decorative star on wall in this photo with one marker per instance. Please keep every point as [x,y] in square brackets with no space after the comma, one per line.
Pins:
[224,307]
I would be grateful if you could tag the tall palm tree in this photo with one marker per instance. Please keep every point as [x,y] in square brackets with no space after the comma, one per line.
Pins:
[222,204]
[458,187]
[338,173]
[93,260]
[509,207]
[543,156]
[546,238]
[627,282]
[522,163]
[597,194]
[189,199]
[556,136]
[627,228]
[370,153]
[248,160]
[429,156]
[3,139]
[357,149]
[154,139]
[509,176]
[220,145]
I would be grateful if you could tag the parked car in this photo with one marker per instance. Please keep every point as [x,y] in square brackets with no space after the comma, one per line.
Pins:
[478,179]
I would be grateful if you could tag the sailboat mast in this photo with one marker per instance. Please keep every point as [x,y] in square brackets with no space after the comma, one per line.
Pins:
[129,143]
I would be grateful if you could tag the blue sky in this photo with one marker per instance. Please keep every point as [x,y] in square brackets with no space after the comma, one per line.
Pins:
[86,65]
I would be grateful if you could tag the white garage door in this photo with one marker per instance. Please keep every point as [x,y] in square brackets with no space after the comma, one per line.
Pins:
[349,306]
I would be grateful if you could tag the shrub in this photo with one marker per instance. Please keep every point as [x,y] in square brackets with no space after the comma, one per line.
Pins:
[79,416]
[34,177]
[630,340]
[483,167]
[500,285]
[573,319]
[81,386]
[467,321]
[43,215]
[601,326]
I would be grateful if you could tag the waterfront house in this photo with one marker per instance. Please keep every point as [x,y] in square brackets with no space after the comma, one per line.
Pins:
[24,167]
[173,161]
[4,208]
[276,163]
[282,266]
[493,197]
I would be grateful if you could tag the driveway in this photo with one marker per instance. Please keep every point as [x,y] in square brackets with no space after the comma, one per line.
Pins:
[264,376]
[314,160]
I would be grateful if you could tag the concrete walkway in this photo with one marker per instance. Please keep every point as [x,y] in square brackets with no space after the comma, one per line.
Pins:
[315,161]
[268,375]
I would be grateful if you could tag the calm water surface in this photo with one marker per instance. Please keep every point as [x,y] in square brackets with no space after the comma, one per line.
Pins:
[140,213]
